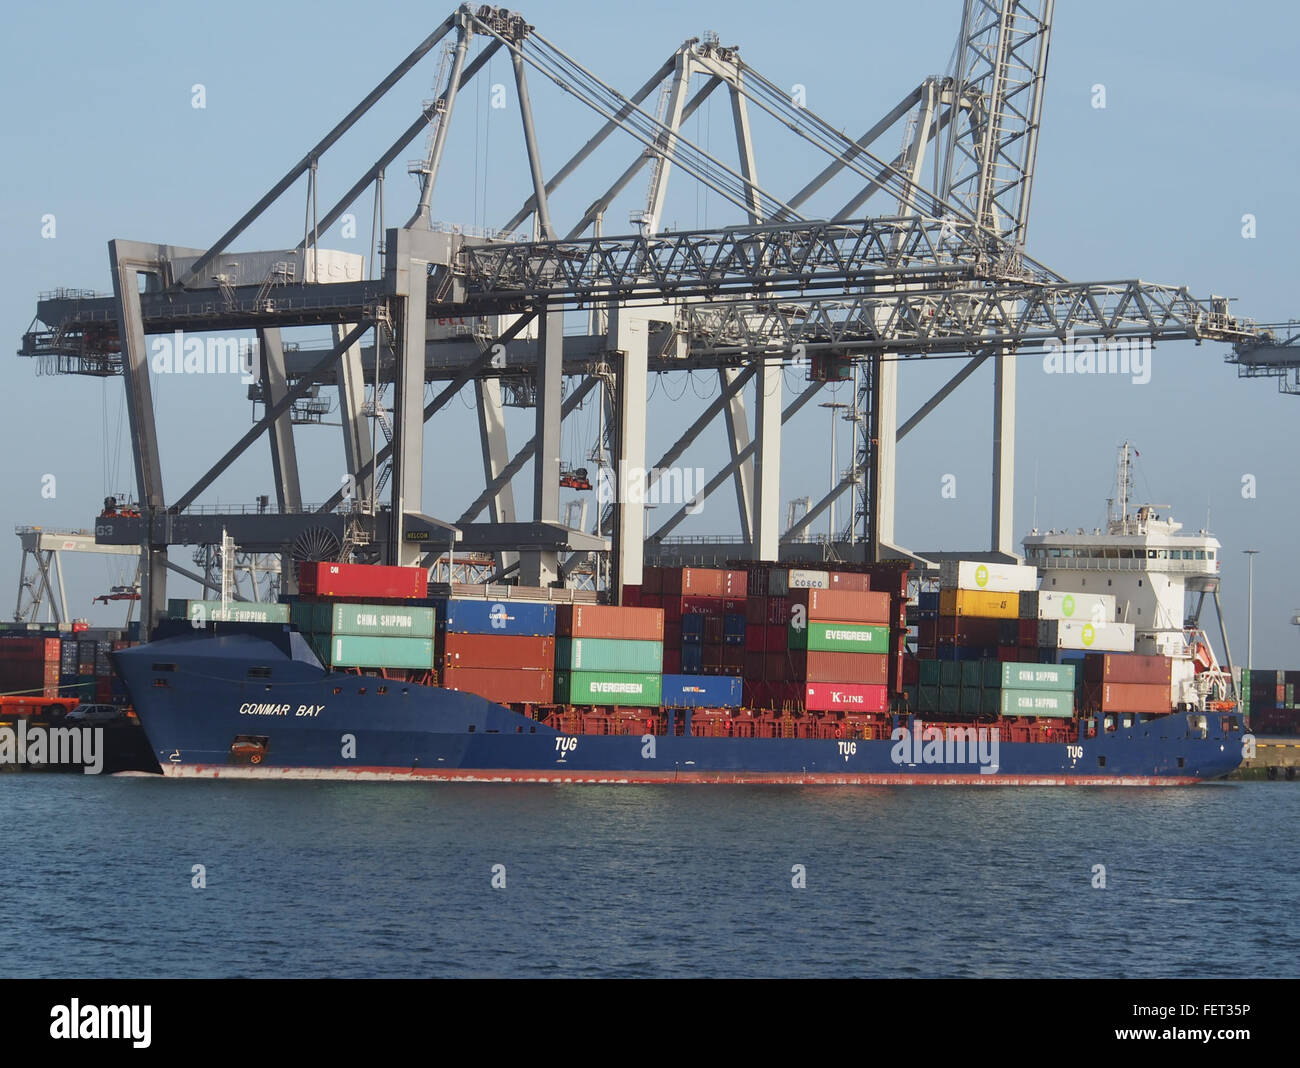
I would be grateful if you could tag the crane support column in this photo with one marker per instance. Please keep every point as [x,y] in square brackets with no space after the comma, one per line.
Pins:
[1004,451]
[765,523]
[629,338]
[541,567]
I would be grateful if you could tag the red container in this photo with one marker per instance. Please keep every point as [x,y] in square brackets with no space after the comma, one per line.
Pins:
[712,630]
[1128,696]
[672,661]
[371,581]
[606,621]
[733,659]
[911,671]
[842,697]
[650,600]
[842,606]
[23,649]
[507,687]
[755,639]
[652,580]
[494,651]
[1009,654]
[967,630]
[735,583]
[694,581]
[778,610]
[850,580]
[672,634]
[755,667]
[864,668]
[756,611]
[712,659]
[700,606]
[1028,633]
[631,596]
[1127,667]
[927,631]
[777,666]
[777,638]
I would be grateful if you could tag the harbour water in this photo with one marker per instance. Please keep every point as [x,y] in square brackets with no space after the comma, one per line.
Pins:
[354,880]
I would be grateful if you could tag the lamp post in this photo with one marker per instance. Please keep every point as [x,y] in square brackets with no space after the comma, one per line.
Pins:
[1250,608]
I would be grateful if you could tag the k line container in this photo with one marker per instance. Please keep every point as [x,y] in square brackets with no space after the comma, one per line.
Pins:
[605,621]
[512,686]
[701,691]
[535,619]
[1037,677]
[384,621]
[992,578]
[502,651]
[608,654]
[1074,634]
[608,688]
[355,650]
[839,637]
[841,605]
[1057,604]
[845,697]
[980,604]
[1058,704]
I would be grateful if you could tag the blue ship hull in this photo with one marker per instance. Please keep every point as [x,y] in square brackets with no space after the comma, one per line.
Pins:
[252,701]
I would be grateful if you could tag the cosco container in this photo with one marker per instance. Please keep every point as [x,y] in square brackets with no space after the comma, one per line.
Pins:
[844,697]
[356,650]
[608,654]
[782,581]
[608,688]
[1076,634]
[385,621]
[1037,676]
[992,578]
[1057,604]
[701,691]
[980,604]
[522,618]
[839,637]
[606,621]
[1058,704]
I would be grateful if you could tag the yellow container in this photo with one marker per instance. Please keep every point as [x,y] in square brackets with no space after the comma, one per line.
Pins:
[979,603]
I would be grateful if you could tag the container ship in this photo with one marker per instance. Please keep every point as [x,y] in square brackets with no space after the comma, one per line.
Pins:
[1084,674]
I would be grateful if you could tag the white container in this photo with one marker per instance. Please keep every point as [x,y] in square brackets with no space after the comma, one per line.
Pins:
[993,578]
[1062,604]
[1079,634]
[780,583]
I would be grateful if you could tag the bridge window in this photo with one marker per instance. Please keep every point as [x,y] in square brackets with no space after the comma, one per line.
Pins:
[259,673]
[162,667]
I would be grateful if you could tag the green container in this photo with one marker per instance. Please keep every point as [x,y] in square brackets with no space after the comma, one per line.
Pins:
[356,650]
[972,671]
[910,693]
[927,700]
[310,618]
[609,654]
[233,612]
[608,688]
[991,677]
[1038,676]
[990,701]
[380,620]
[970,699]
[950,700]
[1058,704]
[930,670]
[950,672]
[839,637]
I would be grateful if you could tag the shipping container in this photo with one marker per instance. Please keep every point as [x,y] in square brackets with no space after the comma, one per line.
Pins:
[604,621]
[495,651]
[385,621]
[1128,696]
[230,612]
[535,619]
[693,581]
[608,654]
[849,580]
[782,581]
[839,637]
[1037,676]
[1058,604]
[993,578]
[1076,634]
[701,691]
[844,697]
[1058,704]
[840,605]
[370,581]
[1129,668]
[608,688]
[863,668]
[692,659]
[980,604]
[355,650]
[508,686]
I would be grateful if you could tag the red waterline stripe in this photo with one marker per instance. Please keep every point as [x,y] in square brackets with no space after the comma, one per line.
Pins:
[381,774]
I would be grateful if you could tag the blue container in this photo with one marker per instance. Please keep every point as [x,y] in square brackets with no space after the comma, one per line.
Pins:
[928,602]
[693,628]
[701,691]
[529,619]
[733,628]
[692,659]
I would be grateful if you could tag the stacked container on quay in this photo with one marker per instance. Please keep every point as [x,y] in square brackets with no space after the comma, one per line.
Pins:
[754,674]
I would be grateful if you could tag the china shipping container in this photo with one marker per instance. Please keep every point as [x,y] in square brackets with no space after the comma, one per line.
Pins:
[386,621]
[1019,676]
[1058,704]
[505,686]
[370,581]
[502,651]
[230,612]
[355,650]
[604,621]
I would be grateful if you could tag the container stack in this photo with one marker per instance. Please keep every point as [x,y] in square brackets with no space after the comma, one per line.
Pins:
[503,650]
[1127,683]
[1268,699]
[977,612]
[983,689]
[349,634]
[609,655]
[704,618]
[29,667]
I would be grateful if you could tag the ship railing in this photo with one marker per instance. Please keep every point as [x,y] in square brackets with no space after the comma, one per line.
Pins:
[1089,563]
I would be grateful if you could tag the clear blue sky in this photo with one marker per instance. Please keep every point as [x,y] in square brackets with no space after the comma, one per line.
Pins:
[1201,101]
